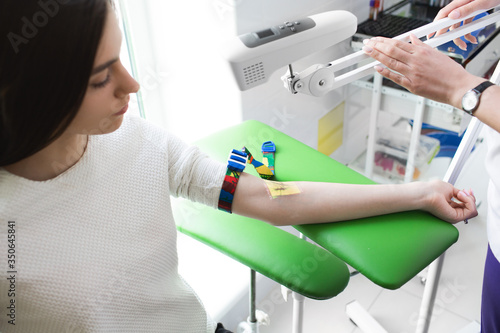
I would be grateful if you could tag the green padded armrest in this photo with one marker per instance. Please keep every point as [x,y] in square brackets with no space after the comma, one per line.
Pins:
[293,262]
[388,249]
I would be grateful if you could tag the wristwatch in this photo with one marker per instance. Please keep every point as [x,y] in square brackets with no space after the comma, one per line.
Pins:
[470,101]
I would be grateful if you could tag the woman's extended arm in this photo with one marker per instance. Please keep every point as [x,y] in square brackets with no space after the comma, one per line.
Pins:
[330,202]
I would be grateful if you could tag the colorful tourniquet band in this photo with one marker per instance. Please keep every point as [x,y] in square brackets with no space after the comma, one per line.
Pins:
[268,150]
[262,169]
[235,166]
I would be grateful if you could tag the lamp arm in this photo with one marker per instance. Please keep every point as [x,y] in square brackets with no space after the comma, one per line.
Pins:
[318,80]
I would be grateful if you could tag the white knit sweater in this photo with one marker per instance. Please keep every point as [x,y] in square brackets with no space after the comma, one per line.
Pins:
[95,247]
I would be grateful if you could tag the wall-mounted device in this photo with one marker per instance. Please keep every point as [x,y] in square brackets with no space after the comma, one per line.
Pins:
[256,55]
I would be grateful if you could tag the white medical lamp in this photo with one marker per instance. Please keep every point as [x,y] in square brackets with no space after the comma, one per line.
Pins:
[256,55]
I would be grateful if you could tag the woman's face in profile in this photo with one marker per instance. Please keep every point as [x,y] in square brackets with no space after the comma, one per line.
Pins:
[110,85]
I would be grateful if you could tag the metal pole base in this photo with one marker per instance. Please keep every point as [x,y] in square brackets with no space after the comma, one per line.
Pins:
[361,318]
[248,327]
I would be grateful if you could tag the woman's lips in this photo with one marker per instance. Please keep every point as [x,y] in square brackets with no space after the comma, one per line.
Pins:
[122,111]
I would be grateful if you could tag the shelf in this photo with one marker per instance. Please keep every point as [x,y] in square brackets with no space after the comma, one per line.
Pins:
[402,103]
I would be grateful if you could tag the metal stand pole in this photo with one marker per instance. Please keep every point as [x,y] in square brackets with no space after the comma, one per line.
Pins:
[372,131]
[251,325]
[252,320]
[429,297]
[298,312]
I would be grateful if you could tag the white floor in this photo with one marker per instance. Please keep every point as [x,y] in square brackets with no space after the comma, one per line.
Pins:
[458,298]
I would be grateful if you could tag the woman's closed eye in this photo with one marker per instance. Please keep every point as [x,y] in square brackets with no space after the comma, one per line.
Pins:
[103,83]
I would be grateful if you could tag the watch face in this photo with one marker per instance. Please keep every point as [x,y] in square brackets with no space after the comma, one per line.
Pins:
[469,101]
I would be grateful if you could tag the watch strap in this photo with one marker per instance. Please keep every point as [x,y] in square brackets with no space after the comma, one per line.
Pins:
[482,87]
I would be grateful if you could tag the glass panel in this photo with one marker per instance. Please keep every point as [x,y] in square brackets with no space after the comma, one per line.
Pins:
[127,57]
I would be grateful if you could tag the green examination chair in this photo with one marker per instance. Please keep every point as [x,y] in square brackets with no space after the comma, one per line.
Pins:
[389,250]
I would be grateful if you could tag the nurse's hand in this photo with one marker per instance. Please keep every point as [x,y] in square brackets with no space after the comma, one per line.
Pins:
[421,69]
[462,8]
[450,204]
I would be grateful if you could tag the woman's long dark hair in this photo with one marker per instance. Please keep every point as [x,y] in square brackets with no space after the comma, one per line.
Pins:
[47,53]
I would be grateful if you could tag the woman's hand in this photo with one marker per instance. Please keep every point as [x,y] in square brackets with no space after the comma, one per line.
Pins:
[448,203]
[421,69]
[462,8]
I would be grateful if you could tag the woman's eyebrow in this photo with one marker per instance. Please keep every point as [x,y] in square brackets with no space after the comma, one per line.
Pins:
[102,67]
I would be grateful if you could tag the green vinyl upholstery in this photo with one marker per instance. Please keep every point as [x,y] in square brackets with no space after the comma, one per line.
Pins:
[388,249]
[292,262]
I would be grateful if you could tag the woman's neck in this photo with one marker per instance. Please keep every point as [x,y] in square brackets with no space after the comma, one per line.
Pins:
[51,161]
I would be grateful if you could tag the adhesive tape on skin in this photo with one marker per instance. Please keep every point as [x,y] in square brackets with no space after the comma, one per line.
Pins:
[279,189]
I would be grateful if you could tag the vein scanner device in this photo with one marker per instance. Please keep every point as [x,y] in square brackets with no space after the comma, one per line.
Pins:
[254,56]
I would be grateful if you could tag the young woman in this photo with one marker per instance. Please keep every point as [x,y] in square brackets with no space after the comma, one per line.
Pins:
[429,73]
[85,189]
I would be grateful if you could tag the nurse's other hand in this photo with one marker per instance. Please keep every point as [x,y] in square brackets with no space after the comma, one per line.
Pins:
[461,8]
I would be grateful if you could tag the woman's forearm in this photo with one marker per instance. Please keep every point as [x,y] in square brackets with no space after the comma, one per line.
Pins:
[330,202]
[327,202]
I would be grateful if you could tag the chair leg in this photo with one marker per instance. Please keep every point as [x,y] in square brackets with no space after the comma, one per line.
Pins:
[298,306]
[252,292]
[429,297]
[251,325]
[298,312]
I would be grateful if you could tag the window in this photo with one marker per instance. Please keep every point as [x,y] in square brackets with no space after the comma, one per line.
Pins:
[186,88]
